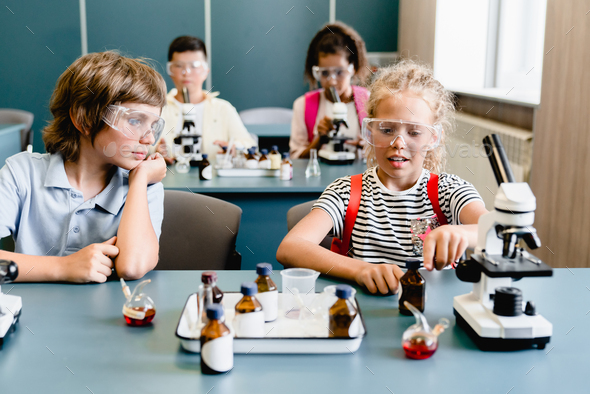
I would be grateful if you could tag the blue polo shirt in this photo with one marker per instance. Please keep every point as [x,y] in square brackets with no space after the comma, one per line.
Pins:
[47,216]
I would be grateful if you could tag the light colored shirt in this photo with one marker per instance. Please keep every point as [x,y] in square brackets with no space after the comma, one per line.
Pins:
[220,122]
[299,139]
[46,216]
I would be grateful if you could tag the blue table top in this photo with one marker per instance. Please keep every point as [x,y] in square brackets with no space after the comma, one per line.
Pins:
[299,183]
[73,339]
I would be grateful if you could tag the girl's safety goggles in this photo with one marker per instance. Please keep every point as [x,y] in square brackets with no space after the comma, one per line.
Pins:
[383,133]
[177,68]
[133,123]
[320,73]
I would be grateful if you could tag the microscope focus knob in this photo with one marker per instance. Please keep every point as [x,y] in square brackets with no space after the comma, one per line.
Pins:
[530,309]
[8,271]
[468,271]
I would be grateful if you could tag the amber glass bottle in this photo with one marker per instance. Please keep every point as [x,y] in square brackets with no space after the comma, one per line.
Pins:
[216,343]
[342,313]
[210,293]
[249,318]
[268,294]
[413,288]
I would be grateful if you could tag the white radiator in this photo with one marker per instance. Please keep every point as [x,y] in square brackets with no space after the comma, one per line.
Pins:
[466,156]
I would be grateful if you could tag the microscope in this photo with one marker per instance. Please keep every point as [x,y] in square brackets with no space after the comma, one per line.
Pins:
[334,150]
[494,314]
[187,146]
[10,305]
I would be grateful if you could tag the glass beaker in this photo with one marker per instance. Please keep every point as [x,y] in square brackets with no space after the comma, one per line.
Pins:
[313,166]
[298,282]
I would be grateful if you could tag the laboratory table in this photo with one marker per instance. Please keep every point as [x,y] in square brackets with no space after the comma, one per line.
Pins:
[73,339]
[264,202]
[10,141]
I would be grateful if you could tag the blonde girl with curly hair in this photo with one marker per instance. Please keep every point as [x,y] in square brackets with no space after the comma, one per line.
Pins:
[375,216]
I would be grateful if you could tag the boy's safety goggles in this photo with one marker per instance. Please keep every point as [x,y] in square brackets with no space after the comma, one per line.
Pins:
[320,73]
[133,123]
[178,68]
[383,133]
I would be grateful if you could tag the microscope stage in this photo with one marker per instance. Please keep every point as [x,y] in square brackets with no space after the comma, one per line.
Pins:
[518,267]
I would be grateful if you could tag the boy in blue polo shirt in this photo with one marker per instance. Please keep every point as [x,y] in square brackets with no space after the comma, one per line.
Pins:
[93,202]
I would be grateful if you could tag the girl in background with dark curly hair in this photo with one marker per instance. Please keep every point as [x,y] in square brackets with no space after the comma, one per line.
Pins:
[336,57]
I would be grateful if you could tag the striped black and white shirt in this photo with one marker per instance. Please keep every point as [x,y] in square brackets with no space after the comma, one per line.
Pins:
[381,233]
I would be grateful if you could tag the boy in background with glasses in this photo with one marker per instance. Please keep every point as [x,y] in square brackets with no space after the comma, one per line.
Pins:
[215,119]
[94,202]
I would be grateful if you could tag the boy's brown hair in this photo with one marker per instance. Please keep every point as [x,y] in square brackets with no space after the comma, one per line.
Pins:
[334,38]
[87,87]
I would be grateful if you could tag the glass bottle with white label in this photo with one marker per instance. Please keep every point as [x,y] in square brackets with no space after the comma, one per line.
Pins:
[342,314]
[216,343]
[249,319]
[209,293]
[268,293]
[286,168]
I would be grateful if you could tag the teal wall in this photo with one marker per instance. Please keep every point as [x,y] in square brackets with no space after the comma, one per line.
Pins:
[271,74]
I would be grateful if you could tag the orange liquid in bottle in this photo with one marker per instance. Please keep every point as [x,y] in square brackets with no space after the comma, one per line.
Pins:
[149,316]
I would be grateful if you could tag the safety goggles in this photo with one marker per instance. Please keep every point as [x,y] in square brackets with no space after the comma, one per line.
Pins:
[326,73]
[383,133]
[133,123]
[178,68]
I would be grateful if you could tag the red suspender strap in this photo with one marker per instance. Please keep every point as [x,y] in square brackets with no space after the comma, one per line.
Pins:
[432,188]
[352,210]
[312,105]
[361,96]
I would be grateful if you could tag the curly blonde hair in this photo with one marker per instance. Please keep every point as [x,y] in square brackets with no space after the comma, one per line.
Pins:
[408,75]
[87,87]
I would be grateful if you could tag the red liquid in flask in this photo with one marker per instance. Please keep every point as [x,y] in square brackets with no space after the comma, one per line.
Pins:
[149,316]
[419,348]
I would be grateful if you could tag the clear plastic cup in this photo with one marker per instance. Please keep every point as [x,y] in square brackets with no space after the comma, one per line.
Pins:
[297,282]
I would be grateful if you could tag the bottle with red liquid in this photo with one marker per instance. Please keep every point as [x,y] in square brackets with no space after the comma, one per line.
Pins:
[139,310]
[419,341]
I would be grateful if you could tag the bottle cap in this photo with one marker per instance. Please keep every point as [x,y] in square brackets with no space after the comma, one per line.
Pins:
[412,264]
[264,151]
[205,155]
[209,277]
[285,155]
[249,288]
[214,311]
[343,291]
[274,147]
[263,269]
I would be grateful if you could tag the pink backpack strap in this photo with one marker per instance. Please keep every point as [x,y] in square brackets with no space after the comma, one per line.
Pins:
[312,105]
[361,96]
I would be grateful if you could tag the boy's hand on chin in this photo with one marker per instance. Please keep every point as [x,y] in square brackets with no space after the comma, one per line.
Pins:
[151,170]
[443,246]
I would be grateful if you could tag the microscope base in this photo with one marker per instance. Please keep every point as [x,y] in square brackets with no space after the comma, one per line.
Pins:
[12,306]
[499,344]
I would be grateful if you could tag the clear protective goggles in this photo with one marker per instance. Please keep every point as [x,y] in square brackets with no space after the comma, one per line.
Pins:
[383,133]
[177,68]
[323,73]
[133,123]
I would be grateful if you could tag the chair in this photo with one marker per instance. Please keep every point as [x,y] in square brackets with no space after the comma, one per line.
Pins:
[198,233]
[298,212]
[266,115]
[8,115]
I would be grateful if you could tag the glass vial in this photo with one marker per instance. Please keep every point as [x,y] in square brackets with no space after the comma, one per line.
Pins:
[275,158]
[263,161]
[217,353]
[413,288]
[268,293]
[313,166]
[210,293]
[205,169]
[249,319]
[286,168]
[342,314]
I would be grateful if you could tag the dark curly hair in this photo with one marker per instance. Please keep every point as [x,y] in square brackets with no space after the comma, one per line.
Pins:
[334,38]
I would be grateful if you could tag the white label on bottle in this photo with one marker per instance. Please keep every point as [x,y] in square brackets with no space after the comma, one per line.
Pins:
[286,172]
[354,328]
[275,161]
[207,172]
[249,325]
[270,304]
[132,313]
[252,163]
[264,164]
[218,354]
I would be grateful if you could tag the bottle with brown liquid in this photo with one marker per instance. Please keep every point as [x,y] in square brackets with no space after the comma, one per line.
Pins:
[216,343]
[413,288]
[268,293]
[286,168]
[205,169]
[275,158]
[249,319]
[209,292]
[342,314]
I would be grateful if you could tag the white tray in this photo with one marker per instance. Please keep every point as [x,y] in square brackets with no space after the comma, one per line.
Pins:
[247,172]
[284,335]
